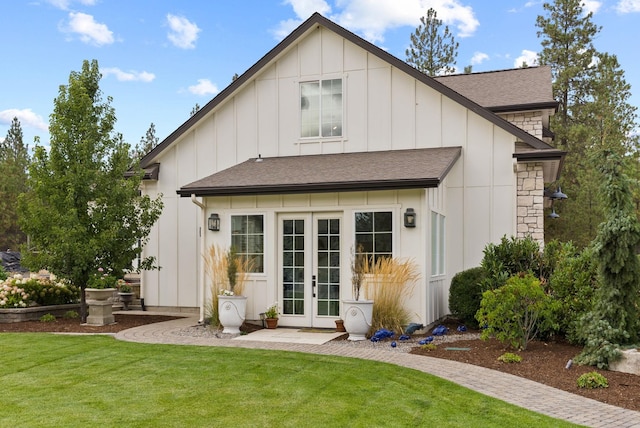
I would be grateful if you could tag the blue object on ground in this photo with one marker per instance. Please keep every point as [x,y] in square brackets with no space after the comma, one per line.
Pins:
[404,337]
[411,328]
[462,328]
[426,340]
[439,330]
[394,344]
[383,333]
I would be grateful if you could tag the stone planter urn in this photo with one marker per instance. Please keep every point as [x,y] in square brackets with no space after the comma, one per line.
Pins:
[125,299]
[231,313]
[100,302]
[357,318]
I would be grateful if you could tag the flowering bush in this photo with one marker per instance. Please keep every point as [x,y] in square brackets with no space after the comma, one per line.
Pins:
[123,286]
[272,311]
[101,280]
[20,292]
[225,292]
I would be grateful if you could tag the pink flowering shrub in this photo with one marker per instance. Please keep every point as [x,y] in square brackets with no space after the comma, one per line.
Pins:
[20,292]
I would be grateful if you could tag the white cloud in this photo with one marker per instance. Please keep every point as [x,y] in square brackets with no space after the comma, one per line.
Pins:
[373,19]
[303,10]
[64,4]
[26,117]
[128,76]
[478,58]
[88,29]
[183,32]
[204,87]
[591,6]
[628,6]
[530,57]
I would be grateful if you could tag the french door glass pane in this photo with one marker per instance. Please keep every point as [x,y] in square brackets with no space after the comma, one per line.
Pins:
[328,260]
[293,267]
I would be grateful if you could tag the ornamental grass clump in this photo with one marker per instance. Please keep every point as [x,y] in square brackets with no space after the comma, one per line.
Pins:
[390,283]
[228,274]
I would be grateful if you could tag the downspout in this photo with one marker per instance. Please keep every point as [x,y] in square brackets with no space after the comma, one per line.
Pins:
[202,248]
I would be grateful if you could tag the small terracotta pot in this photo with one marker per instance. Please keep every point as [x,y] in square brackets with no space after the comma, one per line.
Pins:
[272,322]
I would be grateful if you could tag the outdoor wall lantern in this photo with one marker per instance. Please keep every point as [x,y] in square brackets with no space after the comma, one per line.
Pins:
[410,218]
[214,222]
[554,196]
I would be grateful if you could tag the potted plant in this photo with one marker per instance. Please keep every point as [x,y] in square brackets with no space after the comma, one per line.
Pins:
[100,288]
[228,273]
[271,316]
[358,312]
[125,293]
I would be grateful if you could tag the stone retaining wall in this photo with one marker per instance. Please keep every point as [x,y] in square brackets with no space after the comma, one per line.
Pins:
[35,312]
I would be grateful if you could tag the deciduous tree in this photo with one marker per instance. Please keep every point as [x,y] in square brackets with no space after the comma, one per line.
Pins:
[80,211]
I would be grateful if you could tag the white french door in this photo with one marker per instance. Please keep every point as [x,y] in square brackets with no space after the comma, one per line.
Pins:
[310,248]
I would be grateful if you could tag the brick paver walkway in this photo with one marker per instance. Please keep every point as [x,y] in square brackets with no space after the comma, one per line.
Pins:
[511,389]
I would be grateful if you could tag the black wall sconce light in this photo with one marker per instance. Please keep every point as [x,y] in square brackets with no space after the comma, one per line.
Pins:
[410,218]
[214,222]
[554,196]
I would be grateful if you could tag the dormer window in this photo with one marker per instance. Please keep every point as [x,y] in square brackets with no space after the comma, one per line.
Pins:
[321,108]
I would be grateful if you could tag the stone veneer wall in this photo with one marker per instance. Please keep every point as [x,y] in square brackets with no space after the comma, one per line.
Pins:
[530,209]
[530,121]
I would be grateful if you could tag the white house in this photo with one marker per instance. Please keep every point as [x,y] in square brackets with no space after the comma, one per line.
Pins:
[328,141]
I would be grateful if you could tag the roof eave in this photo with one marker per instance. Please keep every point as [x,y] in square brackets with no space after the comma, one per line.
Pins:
[553,105]
[311,188]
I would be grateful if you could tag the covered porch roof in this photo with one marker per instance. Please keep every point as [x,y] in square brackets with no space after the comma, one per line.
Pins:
[341,172]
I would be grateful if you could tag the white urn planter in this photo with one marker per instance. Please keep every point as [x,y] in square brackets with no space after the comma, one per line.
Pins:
[357,318]
[100,302]
[231,313]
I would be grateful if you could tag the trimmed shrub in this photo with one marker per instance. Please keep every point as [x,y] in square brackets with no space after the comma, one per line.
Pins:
[592,380]
[47,318]
[465,295]
[510,357]
[516,312]
[572,284]
[508,258]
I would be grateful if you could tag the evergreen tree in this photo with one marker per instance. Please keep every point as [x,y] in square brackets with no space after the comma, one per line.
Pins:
[614,319]
[591,90]
[147,143]
[14,159]
[80,212]
[194,110]
[433,49]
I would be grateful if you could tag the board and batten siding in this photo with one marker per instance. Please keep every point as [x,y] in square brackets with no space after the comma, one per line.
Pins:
[384,109]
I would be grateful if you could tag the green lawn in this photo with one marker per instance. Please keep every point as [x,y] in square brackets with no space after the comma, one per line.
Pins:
[82,381]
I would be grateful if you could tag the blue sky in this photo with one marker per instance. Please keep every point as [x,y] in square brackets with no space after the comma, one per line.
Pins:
[161,57]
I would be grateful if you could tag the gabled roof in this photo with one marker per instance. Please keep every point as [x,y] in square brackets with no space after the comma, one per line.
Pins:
[341,172]
[318,20]
[506,90]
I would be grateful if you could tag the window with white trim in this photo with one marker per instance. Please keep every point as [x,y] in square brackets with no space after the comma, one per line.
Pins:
[374,234]
[437,244]
[321,108]
[247,238]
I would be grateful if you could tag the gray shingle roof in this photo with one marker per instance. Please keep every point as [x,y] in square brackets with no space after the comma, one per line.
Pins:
[505,90]
[382,170]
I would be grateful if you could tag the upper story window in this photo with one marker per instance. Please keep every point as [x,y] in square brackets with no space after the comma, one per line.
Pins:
[321,108]
[247,237]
